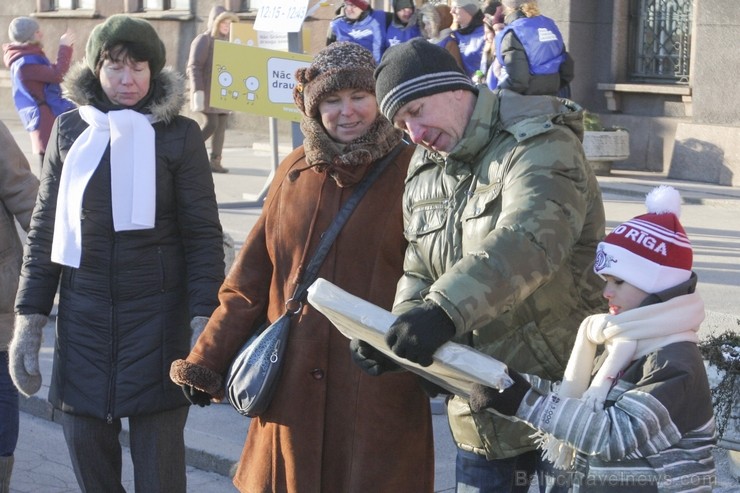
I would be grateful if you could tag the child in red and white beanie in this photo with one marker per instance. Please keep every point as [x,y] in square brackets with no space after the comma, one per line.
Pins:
[639,415]
[652,251]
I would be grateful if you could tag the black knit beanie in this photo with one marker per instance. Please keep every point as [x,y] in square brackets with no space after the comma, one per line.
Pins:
[121,28]
[413,70]
[341,65]
[403,4]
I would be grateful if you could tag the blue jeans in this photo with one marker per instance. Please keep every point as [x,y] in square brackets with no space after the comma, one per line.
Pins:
[476,474]
[9,417]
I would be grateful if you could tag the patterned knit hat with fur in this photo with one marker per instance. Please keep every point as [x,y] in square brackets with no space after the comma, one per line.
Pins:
[651,251]
[341,65]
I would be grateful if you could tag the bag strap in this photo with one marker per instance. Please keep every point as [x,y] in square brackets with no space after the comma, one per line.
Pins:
[327,239]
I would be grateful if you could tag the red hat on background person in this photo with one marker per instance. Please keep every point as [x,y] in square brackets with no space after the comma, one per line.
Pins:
[360,4]
[651,251]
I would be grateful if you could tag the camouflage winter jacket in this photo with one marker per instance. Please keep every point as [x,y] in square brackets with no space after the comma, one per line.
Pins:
[502,235]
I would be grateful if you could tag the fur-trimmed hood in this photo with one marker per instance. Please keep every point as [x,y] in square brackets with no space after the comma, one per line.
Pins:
[168,91]
[218,14]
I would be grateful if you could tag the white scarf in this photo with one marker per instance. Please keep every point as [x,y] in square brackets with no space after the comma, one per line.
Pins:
[626,337]
[133,188]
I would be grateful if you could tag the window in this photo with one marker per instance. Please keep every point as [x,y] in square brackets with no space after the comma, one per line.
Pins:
[73,4]
[660,40]
[149,5]
[243,6]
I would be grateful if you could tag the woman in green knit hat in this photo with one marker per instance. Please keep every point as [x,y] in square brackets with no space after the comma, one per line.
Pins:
[127,226]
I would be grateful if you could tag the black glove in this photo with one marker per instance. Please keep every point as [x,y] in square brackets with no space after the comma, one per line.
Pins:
[505,401]
[418,333]
[432,389]
[370,359]
[195,396]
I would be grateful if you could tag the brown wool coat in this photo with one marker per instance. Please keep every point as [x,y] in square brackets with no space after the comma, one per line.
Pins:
[330,428]
[18,189]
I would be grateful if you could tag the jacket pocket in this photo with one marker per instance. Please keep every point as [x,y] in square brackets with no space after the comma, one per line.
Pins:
[426,218]
[483,201]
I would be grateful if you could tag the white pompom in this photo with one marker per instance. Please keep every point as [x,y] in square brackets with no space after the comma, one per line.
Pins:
[664,199]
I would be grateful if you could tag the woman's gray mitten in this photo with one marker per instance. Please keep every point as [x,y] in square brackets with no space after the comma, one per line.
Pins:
[24,352]
[197,324]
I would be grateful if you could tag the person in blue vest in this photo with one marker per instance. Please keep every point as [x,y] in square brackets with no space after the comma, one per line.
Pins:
[404,23]
[357,22]
[436,21]
[493,21]
[36,89]
[469,32]
[531,52]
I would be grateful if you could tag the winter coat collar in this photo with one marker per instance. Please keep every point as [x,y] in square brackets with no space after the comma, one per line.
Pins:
[347,164]
[475,23]
[521,116]
[14,51]
[164,101]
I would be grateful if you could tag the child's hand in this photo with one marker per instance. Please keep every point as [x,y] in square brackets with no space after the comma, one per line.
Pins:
[68,38]
[505,401]
[594,399]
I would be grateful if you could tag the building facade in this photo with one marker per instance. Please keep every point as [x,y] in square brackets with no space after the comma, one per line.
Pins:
[662,69]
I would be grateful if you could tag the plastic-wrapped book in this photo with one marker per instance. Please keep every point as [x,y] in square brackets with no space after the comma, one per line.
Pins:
[456,367]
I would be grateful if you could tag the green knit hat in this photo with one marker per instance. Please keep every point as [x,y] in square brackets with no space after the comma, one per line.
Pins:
[121,28]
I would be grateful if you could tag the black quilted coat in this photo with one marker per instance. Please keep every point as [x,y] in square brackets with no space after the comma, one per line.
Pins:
[124,314]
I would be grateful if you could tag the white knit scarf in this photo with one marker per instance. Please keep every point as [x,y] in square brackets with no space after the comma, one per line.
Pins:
[132,163]
[626,337]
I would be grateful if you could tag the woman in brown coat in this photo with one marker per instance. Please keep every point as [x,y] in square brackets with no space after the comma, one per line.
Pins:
[331,428]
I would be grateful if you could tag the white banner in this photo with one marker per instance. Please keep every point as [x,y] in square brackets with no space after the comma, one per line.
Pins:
[285,16]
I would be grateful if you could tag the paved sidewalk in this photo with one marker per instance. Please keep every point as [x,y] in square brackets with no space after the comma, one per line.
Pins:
[215,435]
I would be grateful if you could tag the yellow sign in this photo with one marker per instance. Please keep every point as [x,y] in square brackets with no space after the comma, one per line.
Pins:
[243,33]
[255,80]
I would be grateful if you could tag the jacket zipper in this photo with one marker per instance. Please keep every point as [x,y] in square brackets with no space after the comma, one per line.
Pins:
[113,331]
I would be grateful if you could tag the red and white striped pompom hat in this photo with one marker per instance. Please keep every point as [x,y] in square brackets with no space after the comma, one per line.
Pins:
[651,251]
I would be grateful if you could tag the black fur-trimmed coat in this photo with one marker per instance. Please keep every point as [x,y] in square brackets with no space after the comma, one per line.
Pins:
[123,315]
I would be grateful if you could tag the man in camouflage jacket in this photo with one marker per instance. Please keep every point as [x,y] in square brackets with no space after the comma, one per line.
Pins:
[503,215]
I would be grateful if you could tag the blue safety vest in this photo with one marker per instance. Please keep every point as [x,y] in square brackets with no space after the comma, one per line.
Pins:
[368,32]
[471,49]
[443,42]
[542,43]
[397,34]
[26,104]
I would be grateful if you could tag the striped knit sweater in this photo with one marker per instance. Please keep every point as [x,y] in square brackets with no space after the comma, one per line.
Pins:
[655,433]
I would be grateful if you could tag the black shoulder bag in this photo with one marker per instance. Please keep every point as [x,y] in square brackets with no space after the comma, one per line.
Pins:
[253,374]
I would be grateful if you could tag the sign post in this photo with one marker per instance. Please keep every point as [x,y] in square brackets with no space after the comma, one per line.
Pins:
[267,78]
